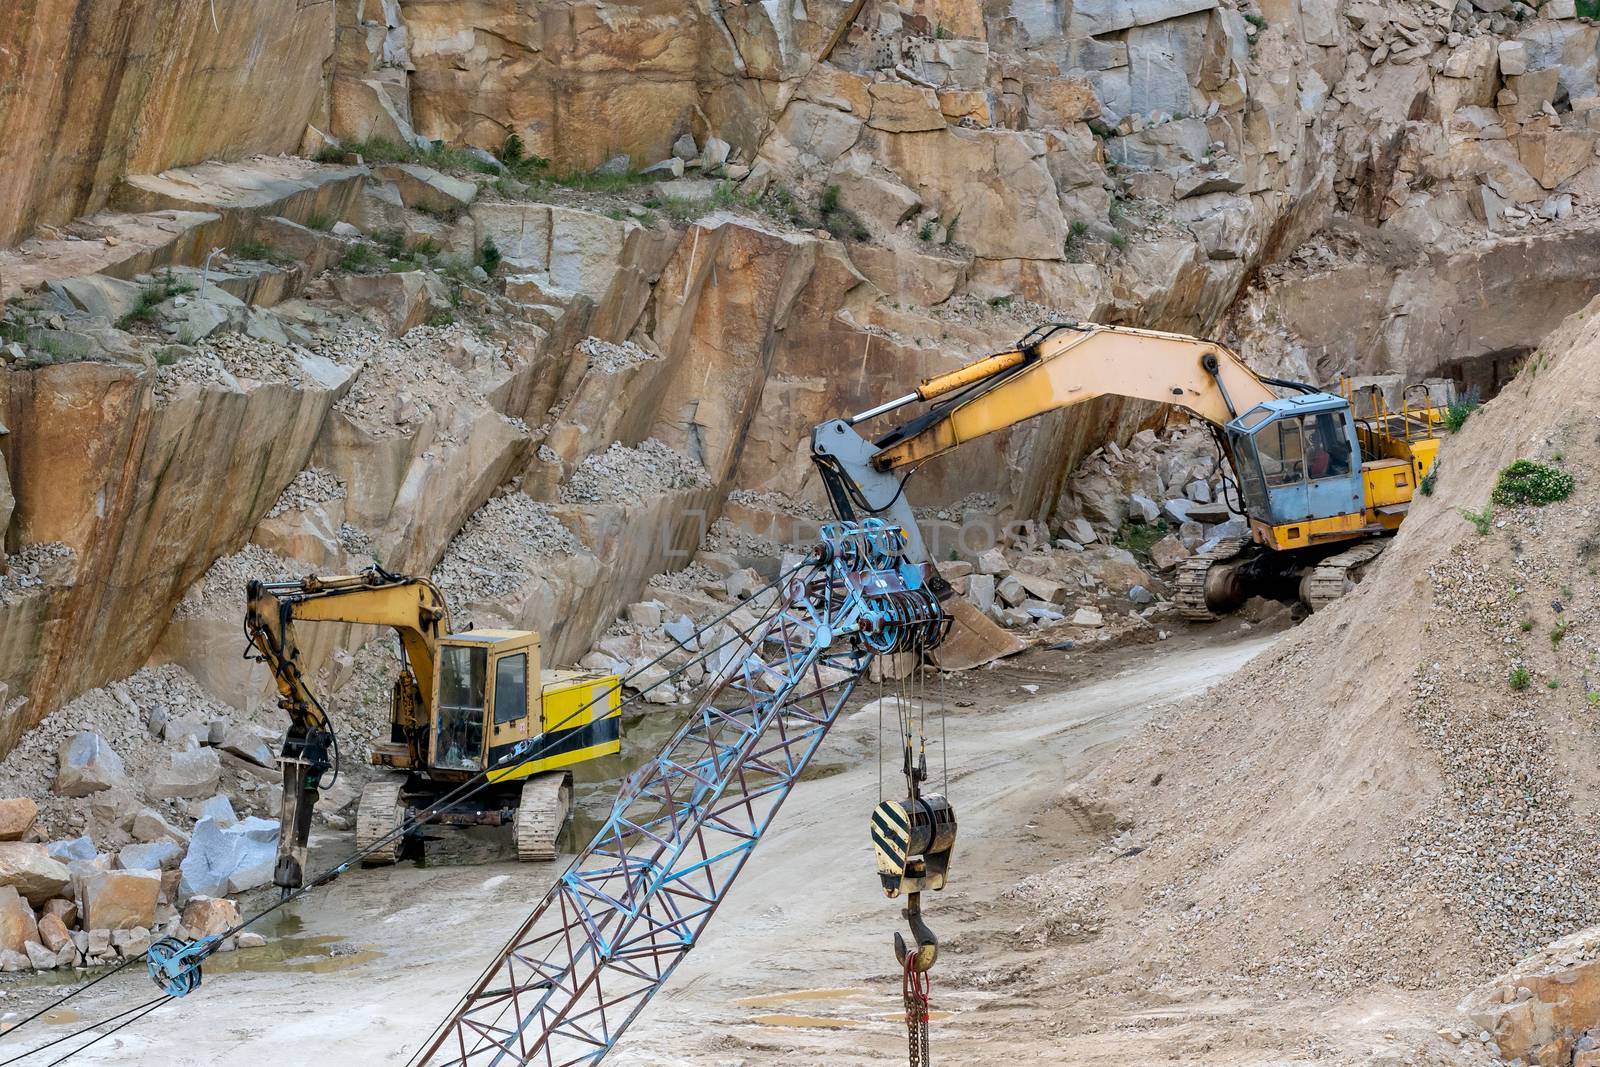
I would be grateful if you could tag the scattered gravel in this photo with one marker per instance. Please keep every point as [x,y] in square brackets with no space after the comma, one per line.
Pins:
[724,536]
[498,549]
[310,487]
[778,503]
[609,358]
[623,475]
[35,567]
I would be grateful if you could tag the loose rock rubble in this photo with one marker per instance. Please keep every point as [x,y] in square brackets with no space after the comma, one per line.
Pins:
[129,816]
[609,358]
[622,475]
[491,555]
[311,486]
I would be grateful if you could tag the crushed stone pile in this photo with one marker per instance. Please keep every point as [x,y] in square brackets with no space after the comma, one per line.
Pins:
[622,475]
[611,358]
[494,553]
[120,713]
[220,592]
[1405,790]
[310,487]
[32,568]
[404,380]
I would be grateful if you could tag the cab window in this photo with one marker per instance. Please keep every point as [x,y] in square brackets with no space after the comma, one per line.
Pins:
[1327,445]
[1282,453]
[458,742]
[510,688]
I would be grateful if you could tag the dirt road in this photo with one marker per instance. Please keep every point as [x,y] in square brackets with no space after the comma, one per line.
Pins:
[798,967]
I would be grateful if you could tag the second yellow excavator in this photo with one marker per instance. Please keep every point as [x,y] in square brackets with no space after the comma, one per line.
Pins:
[465,705]
[1317,486]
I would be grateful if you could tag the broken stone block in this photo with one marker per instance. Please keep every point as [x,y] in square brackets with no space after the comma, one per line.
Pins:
[1168,552]
[41,958]
[1143,509]
[1513,58]
[77,849]
[187,774]
[742,584]
[13,961]
[682,630]
[881,202]
[228,859]
[218,807]
[1043,589]
[29,869]
[981,591]
[240,740]
[1087,617]
[715,154]
[251,939]
[1011,590]
[1199,491]
[17,924]
[646,613]
[130,943]
[88,765]
[1140,595]
[150,857]
[17,817]
[951,569]
[400,301]
[1080,531]
[1041,612]
[63,909]
[426,189]
[53,933]
[118,900]
[205,916]
[149,825]
[992,561]
[684,147]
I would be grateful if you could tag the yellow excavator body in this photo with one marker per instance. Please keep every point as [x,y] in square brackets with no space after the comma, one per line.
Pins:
[465,705]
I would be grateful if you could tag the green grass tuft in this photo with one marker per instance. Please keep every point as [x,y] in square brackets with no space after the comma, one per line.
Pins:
[1527,482]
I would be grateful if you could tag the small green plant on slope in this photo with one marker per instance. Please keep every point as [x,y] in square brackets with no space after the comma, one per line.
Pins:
[1482,521]
[1527,482]
[1520,678]
[489,256]
[1455,416]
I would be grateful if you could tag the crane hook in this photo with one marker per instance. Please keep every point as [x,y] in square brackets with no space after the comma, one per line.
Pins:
[927,950]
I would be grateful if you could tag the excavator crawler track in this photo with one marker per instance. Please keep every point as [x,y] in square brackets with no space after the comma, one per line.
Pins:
[1332,578]
[541,813]
[1194,573]
[381,811]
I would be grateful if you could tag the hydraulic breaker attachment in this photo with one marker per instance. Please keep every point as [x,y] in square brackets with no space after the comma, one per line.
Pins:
[304,761]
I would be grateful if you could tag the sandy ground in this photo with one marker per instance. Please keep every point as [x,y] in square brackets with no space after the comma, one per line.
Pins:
[798,967]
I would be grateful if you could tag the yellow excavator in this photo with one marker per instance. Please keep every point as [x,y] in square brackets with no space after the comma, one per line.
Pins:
[463,703]
[1317,486]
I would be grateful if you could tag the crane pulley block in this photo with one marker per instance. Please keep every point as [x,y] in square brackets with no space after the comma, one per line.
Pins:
[913,839]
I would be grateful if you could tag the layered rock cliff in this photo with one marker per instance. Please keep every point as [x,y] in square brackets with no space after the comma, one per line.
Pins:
[465,293]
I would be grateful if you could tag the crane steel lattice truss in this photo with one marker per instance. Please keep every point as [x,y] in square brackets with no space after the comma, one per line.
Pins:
[610,932]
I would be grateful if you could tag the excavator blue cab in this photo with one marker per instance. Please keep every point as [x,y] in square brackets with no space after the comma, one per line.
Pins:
[1299,459]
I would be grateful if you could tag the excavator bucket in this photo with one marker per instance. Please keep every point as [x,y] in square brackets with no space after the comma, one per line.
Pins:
[974,638]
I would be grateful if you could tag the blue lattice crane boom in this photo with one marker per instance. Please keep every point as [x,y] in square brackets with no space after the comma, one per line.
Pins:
[636,900]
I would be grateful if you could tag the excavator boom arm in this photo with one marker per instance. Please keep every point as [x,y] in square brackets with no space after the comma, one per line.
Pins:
[413,607]
[1055,367]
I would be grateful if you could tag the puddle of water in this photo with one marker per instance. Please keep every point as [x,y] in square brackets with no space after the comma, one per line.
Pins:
[824,1021]
[292,955]
[767,1000]
[60,1017]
